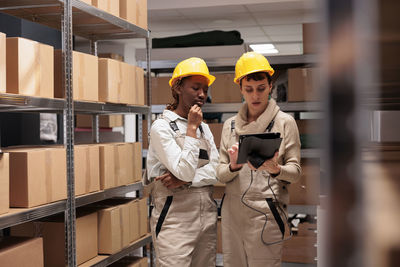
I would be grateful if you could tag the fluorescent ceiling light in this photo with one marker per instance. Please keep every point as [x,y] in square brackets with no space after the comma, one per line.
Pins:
[264,48]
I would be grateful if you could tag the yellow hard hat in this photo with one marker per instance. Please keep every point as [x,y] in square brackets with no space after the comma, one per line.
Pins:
[189,67]
[251,62]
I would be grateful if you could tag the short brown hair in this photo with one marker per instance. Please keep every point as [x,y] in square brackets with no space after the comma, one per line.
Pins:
[257,76]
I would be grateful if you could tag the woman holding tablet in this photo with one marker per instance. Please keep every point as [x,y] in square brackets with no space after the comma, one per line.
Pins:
[254,208]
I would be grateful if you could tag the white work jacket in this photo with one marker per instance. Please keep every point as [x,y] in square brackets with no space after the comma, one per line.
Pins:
[164,153]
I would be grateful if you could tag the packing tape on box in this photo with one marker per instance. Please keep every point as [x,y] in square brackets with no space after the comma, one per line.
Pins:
[121,225]
[117,166]
[88,177]
[48,175]
[81,78]
[120,83]
[36,68]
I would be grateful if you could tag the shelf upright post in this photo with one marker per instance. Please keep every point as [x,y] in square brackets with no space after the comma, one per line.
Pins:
[95,117]
[70,216]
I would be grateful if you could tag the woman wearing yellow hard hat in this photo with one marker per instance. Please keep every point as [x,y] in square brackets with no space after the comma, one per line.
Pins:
[181,169]
[254,209]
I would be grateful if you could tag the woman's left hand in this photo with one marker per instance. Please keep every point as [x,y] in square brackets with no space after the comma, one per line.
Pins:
[270,165]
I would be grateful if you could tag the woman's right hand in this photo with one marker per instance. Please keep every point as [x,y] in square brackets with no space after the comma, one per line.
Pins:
[195,118]
[233,156]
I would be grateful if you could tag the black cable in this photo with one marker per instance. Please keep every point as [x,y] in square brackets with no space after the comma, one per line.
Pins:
[263,213]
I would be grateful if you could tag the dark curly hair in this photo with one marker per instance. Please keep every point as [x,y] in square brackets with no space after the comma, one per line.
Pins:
[257,76]
[177,83]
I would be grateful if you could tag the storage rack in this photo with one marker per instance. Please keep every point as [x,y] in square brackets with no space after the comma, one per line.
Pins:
[228,65]
[93,24]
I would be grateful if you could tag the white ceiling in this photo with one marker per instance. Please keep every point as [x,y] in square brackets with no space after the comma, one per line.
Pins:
[259,21]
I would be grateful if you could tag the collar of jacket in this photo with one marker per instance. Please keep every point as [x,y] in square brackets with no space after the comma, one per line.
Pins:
[172,116]
[258,126]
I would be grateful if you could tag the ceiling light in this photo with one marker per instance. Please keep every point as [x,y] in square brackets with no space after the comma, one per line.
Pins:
[264,48]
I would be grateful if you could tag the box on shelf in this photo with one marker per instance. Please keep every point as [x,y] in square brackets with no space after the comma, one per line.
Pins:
[145,135]
[300,249]
[21,251]
[87,169]
[131,261]
[85,76]
[30,68]
[123,163]
[137,162]
[128,83]
[110,80]
[53,232]
[112,56]
[143,217]
[127,10]
[108,178]
[306,190]
[111,7]
[307,229]
[4,183]
[141,13]
[139,95]
[309,126]
[37,176]
[114,226]
[224,90]
[161,91]
[302,85]
[216,130]
[134,220]
[311,43]
[105,121]
[2,63]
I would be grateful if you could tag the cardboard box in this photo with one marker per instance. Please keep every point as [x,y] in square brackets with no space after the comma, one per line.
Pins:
[85,76]
[87,169]
[224,90]
[110,80]
[300,249]
[141,13]
[311,43]
[140,91]
[143,217]
[114,230]
[127,10]
[89,2]
[134,221]
[110,6]
[53,233]
[37,176]
[309,126]
[306,190]
[105,121]
[2,63]
[161,91]
[112,56]
[4,183]
[131,261]
[307,229]
[145,135]
[216,130]
[108,177]
[302,85]
[21,252]
[138,162]
[30,68]
[123,163]
[128,84]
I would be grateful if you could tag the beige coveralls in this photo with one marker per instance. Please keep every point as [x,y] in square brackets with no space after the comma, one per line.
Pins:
[183,221]
[242,226]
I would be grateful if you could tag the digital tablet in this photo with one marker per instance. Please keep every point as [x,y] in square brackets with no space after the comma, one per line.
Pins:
[257,148]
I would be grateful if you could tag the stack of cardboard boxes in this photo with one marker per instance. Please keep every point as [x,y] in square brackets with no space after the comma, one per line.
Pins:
[21,251]
[134,11]
[33,69]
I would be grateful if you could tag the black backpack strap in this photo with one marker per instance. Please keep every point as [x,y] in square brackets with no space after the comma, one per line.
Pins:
[232,125]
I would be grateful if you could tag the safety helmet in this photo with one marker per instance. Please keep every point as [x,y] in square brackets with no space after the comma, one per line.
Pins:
[251,62]
[189,67]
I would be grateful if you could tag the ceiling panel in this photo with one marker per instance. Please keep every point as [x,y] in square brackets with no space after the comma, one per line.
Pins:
[289,29]
[218,11]
[237,20]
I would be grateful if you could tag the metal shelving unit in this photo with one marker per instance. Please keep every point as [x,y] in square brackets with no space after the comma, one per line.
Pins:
[20,215]
[105,260]
[73,17]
